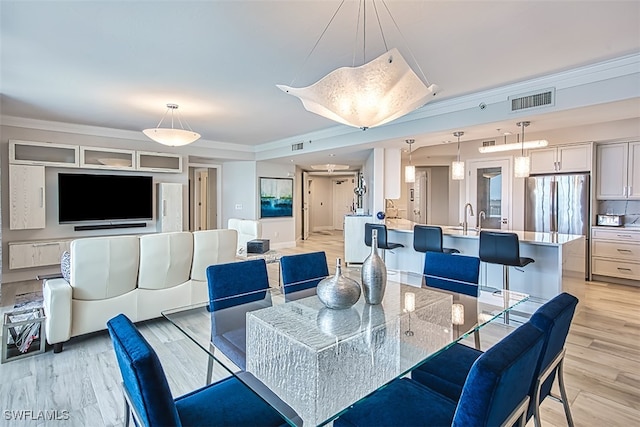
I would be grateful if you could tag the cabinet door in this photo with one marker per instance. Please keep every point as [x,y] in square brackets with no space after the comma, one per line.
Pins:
[36,254]
[543,160]
[27,198]
[169,207]
[574,158]
[634,171]
[611,171]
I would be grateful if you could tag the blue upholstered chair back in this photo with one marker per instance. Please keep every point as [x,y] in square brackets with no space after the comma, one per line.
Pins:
[142,374]
[499,379]
[457,273]
[554,319]
[303,271]
[427,238]
[237,283]
[382,234]
[499,248]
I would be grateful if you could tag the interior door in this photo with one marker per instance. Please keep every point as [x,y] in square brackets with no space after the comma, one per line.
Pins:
[342,200]
[488,190]
[200,199]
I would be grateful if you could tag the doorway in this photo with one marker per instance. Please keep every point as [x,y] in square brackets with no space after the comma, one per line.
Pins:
[343,200]
[204,198]
[489,189]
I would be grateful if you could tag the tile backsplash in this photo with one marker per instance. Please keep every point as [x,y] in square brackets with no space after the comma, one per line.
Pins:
[629,208]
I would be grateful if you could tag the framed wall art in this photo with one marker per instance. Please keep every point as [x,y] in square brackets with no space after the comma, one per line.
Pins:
[276,197]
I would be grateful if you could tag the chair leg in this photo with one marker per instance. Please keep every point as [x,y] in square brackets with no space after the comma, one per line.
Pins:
[210,364]
[476,337]
[505,286]
[563,393]
[127,411]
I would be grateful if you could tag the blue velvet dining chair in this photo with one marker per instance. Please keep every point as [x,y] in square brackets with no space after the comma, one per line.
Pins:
[447,372]
[494,393]
[148,397]
[234,289]
[455,273]
[302,271]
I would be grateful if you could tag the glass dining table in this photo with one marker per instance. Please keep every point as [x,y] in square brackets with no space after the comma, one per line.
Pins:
[311,363]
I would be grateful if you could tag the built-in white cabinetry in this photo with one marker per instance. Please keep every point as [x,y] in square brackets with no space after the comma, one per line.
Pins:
[355,251]
[107,158]
[618,171]
[26,197]
[36,254]
[159,162]
[43,153]
[169,197]
[561,158]
[615,253]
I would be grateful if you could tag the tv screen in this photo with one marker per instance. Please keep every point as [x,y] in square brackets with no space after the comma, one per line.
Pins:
[83,197]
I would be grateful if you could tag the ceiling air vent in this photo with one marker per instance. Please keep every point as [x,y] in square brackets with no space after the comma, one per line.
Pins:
[536,99]
[298,146]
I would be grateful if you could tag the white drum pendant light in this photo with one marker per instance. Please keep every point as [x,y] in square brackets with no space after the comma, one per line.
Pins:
[410,170]
[457,167]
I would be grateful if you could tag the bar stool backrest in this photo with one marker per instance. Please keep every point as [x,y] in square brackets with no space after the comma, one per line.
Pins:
[427,238]
[499,248]
[382,234]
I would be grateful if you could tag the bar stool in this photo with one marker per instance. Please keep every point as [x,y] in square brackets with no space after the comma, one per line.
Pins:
[382,237]
[504,249]
[428,238]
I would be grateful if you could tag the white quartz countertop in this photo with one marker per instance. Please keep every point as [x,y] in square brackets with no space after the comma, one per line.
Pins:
[531,237]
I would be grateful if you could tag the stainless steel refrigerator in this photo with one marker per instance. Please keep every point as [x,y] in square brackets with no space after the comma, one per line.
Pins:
[558,203]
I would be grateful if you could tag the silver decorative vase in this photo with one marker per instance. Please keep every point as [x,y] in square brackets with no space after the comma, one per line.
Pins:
[338,292]
[374,274]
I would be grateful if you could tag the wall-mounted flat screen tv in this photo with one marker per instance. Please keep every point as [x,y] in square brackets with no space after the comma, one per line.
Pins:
[84,197]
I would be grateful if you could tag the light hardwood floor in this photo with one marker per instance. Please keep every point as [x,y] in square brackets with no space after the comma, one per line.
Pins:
[602,369]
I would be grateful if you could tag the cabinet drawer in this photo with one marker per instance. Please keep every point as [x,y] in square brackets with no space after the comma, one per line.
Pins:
[619,234]
[618,250]
[625,270]
[36,254]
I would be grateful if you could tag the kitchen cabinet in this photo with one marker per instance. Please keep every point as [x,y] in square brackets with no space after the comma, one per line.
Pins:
[615,252]
[36,253]
[355,251]
[618,171]
[562,158]
[26,197]
[169,197]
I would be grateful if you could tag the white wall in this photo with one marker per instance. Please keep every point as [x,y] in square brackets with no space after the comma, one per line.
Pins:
[239,191]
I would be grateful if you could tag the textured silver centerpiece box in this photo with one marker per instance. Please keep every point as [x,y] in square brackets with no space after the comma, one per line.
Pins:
[320,360]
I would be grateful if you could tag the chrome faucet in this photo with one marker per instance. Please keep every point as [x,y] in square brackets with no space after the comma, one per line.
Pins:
[466,223]
[481,216]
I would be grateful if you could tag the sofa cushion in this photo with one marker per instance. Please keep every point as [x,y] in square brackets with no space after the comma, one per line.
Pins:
[212,247]
[104,267]
[165,260]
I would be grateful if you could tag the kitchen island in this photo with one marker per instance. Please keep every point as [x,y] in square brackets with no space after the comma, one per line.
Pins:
[556,256]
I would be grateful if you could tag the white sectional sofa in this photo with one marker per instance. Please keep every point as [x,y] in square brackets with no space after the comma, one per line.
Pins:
[139,276]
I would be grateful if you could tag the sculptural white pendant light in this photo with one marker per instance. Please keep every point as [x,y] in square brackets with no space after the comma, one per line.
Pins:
[172,136]
[457,167]
[368,95]
[521,164]
[410,170]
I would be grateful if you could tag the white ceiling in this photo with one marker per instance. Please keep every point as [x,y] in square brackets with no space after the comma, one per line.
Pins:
[116,64]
